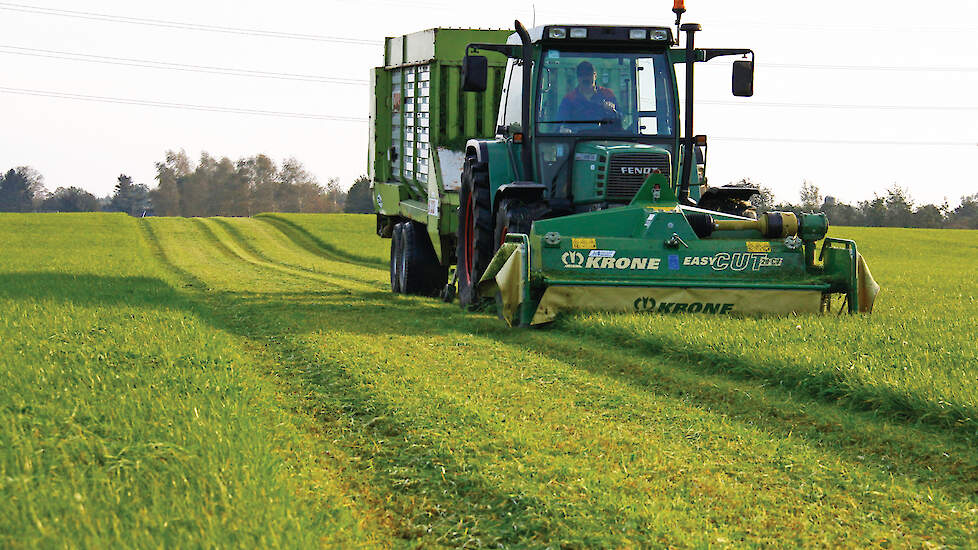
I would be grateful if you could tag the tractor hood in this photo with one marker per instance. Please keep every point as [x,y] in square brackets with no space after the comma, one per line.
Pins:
[614,171]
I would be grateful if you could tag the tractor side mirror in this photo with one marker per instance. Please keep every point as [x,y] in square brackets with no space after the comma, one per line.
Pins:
[475,70]
[743,78]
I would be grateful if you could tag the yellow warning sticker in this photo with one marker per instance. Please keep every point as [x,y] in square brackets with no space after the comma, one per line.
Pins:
[584,244]
[758,246]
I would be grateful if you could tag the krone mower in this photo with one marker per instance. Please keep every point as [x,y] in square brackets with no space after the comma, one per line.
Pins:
[552,170]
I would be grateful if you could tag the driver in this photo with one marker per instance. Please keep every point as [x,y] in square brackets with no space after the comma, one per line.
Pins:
[588,101]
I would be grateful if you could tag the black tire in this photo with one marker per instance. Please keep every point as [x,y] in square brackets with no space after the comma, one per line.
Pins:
[396,253]
[421,273]
[475,245]
[512,216]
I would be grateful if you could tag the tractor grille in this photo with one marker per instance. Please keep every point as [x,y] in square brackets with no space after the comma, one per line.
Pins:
[628,171]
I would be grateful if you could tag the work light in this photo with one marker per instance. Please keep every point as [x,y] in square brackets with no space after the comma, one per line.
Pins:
[557,32]
[637,34]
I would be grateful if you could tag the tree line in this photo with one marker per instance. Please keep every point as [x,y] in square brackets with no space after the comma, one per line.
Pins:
[212,187]
[894,208]
[248,186]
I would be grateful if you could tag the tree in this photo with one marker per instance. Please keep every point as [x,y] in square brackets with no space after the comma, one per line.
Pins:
[21,189]
[335,197]
[811,197]
[873,212]
[359,199]
[240,188]
[133,199]
[169,176]
[260,173]
[840,213]
[71,199]
[899,208]
[929,216]
[965,216]
[296,186]
[14,193]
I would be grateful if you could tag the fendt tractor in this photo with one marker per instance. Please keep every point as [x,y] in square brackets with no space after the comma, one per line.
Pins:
[552,170]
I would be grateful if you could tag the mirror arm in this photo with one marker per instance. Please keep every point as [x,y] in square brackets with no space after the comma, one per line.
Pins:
[710,53]
[509,50]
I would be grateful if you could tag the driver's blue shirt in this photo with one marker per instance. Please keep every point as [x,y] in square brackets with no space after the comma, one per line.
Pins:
[575,106]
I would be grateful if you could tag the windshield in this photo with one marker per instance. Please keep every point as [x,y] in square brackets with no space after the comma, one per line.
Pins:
[605,94]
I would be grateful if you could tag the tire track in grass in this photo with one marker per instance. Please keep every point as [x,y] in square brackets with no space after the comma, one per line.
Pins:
[314,244]
[385,394]
[314,476]
[226,241]
[275,247]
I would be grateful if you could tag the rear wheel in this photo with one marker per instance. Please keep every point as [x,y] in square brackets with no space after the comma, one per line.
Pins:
[421,272]
[475,231]
[396,252]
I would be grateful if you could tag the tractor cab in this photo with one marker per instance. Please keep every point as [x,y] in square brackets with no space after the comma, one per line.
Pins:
[593,111]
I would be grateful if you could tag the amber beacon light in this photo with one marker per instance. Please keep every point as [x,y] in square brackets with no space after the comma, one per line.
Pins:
[679,8]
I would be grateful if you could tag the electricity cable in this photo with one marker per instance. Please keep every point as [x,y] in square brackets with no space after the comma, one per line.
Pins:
[145,63]
[92,16]
[170,105]
[308,116]
[840,106]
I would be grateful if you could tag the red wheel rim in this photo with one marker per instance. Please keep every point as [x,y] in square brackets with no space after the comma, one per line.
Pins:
[469,222]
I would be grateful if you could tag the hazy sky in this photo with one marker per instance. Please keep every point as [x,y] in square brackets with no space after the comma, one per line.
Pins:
[854,96]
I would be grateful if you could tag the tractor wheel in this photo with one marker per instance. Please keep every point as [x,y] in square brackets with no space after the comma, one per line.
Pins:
[512,216]
[396,253]
[475,231]
[421,273]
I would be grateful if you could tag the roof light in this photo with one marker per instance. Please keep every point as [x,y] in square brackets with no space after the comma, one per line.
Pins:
[578,33]
[637,34]
[660,34]
[557,32]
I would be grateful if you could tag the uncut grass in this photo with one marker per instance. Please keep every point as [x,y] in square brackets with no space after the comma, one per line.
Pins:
[913,358]
[128,420]
[470,433]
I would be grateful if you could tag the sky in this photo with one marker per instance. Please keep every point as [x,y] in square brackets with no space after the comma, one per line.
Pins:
[853,96]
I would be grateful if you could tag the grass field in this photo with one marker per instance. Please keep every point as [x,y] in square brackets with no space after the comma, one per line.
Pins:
[243,382]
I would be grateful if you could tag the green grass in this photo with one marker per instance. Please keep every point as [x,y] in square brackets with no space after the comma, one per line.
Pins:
[128,419]
[913,358]
[388,420]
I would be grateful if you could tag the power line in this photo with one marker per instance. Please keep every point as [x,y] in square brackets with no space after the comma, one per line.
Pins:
[92,16]
[88,58]
[308,116]
[841,106]
[169,105]
[849,141]
[889,68]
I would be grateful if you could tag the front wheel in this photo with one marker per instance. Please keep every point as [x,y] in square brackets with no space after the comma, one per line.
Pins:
[475,231]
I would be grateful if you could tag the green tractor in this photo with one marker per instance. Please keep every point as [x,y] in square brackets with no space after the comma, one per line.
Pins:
[552,170]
